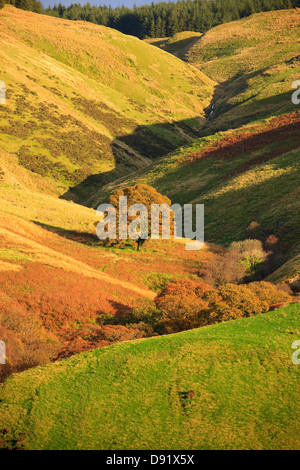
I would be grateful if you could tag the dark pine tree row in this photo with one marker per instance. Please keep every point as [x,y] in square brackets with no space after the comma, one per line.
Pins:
[166,19]
[162,19]
[30,5]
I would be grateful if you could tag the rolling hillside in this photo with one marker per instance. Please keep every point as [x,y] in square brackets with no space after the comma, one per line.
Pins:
[250,175]
[227,386]
[87,100]
[178,45]
[252,82]
[245,167]
[90,110]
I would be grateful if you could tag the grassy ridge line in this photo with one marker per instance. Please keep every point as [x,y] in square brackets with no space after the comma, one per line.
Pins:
[251,82]
[231,385]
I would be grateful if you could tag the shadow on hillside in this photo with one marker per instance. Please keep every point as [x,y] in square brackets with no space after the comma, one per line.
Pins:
[120,309]
[268,201]
[147,144]
[136,151]
[179,48]
[84,238]
[230,89]
[263,145]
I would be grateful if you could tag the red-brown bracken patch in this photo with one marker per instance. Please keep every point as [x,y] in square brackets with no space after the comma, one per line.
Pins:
[282,131]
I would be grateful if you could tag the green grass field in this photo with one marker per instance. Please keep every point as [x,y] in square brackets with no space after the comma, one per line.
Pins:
[227,386]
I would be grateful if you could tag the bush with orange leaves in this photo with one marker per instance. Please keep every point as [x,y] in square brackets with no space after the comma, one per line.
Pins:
[182,305]
[27,342]
[231,301]
[267,292]
[62,300]
[92,336]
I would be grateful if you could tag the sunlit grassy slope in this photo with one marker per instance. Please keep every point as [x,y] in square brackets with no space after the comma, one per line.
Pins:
[84,99]
[227,386]
[255,61]
[39,229]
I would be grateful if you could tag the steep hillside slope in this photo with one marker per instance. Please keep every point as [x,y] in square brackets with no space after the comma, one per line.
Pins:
[249,174]
[43,239]
[178,45]
[227,386]
[254,61]
[84,99]
[58,286]
[246,178]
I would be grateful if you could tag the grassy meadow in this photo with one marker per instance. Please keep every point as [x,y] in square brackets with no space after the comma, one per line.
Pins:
[228,386]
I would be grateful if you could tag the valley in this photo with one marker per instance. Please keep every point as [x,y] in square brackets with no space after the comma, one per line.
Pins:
[104,343]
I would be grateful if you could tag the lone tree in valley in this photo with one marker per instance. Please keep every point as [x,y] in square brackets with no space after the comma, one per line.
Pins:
[146,196]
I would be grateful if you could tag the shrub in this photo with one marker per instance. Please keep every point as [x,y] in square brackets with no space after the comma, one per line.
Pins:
[158,281]
[61,299]
[224,269]
[182,305]
[146,312]
[267,292]
[27,342]
[95,336]
[251,252]
[231,301]
[271,241]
